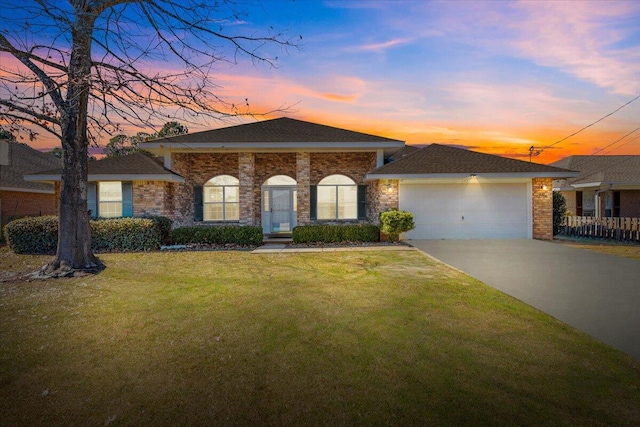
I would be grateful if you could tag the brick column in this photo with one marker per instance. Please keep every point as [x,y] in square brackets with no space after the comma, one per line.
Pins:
[542,193]
[246,174]
[303,170]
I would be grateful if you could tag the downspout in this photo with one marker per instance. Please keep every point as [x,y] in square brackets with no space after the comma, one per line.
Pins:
[597,200]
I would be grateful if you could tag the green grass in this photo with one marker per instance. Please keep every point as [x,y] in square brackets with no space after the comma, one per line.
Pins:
[343,338]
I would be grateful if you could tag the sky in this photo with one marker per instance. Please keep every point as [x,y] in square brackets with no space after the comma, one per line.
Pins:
[496,77]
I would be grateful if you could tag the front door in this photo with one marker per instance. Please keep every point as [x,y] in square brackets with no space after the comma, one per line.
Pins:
[278,210]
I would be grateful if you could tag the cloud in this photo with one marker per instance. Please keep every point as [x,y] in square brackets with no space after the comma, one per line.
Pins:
[585,39]
[380,47]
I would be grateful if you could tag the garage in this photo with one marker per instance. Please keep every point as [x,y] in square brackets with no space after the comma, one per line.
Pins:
[455,193]
[467,211]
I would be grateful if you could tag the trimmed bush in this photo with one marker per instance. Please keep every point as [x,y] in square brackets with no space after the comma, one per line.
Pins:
[218,235]
[124,234]
[33,235]
[559,211]
[395,222]
[336,233]
[39,235]
[164,225]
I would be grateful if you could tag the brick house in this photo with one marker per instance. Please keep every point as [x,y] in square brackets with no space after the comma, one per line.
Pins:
[19,198]
[283,172]
[607,186]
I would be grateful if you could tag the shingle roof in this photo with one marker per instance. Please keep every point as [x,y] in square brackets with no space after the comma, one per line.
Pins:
[283,129]
[25,160]
[442,159]
[609,169]
[131,164]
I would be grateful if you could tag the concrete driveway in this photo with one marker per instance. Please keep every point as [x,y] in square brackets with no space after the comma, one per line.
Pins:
[596,293]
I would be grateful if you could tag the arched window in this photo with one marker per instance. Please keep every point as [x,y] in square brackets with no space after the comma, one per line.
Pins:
[337,198]
[221,199]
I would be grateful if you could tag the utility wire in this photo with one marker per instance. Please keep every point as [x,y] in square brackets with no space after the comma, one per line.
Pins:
[589,125]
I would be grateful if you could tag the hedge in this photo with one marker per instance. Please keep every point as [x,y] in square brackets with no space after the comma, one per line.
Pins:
[336,233]
[218,235]
[39,235]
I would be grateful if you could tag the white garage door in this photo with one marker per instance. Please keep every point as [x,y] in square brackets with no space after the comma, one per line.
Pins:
[467,211]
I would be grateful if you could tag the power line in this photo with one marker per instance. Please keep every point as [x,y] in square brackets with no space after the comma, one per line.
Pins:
[588,126]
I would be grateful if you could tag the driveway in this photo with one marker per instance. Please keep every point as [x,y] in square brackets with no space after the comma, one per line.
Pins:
[596,293]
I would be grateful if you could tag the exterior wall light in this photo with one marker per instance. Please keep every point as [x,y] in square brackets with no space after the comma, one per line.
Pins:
[544,186]
[389,188]
[473,175]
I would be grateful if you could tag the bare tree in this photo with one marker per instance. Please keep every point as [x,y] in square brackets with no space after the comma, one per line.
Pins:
[87,67]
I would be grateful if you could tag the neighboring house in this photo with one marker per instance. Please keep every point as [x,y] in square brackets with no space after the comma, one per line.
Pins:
[131,185]
[284,172]
[607,186]
[19,198]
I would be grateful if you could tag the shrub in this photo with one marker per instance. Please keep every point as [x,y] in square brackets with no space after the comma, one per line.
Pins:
[336,233]
[218,235]
[33,235]
[125,234]
[559,211]
[395,222]
[164,225]
[39,235]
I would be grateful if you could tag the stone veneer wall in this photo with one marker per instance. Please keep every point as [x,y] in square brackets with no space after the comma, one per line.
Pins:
[542,208]
[382,195]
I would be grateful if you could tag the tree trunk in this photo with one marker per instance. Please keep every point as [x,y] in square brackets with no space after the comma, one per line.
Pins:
[74,232]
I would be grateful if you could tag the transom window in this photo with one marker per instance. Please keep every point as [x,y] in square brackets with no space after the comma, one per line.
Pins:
[110,199]
[337,198]
[222,199]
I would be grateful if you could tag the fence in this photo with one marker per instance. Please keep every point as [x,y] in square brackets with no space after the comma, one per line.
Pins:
[624,229]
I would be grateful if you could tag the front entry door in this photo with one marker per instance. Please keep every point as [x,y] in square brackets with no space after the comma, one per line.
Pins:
[278,209]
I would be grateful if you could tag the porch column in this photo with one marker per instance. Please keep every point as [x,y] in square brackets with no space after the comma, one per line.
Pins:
[246,174]
[303,173]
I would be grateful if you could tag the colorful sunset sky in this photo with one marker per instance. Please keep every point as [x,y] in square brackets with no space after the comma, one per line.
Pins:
[496,77]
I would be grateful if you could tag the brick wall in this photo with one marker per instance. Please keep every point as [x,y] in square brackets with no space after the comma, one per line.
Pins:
[542,194]
[630,203]
[353,165]
[570,199]
[17,204]
[306,168]
[150,198]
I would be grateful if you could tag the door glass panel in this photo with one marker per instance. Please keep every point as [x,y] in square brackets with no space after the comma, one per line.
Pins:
[280,210]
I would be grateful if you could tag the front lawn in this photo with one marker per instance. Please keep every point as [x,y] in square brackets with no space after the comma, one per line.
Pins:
[342,338]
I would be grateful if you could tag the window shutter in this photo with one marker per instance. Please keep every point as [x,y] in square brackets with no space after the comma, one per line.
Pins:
[579,203]
[197,203]
[91,199]
[362,202]
[127,199]
[313,202]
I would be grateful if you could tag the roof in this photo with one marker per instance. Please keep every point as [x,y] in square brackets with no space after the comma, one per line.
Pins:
[437,160]
[23,160]
[602,169]
[132,167]
[277,134]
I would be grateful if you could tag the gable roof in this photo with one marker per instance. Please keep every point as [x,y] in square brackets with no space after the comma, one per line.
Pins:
[438,160]
[597,170]
[22,159]
[275,134]
[132,167]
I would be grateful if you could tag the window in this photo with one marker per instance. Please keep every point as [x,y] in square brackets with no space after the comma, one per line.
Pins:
[110,199]
[221,199]
[337,198]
